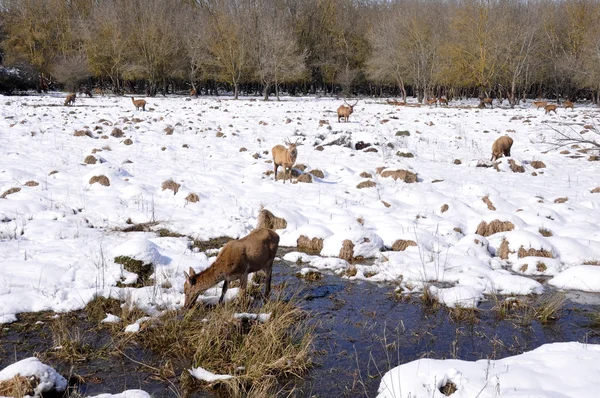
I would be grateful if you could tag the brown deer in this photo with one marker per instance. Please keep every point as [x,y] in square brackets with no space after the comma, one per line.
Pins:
[237,259]
[139,104]
[569,104]
[70,99]
[550,107]
[443,101]
[193,93]
[285,157]
[540,104]
[344,111]
[431,101]
[501,147]
[486,101]
[98,91]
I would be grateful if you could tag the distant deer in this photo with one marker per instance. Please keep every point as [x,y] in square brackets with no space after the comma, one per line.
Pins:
[193,93]
[237,259]
[443,101]
[285,157]
[569,104]
[139,104]
[540,104]
[70,99]
[485,101]
[550,108]
[344,111]
[431,101]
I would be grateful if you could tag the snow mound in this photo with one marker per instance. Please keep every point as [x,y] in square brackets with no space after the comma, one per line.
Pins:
[48,378]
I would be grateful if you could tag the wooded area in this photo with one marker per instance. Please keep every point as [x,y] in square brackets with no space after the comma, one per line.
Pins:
[426,48]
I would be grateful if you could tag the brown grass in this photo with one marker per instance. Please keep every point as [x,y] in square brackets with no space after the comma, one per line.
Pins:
[101,179]
[595,190]
[317,173]
[515,167]
[489,203]
[192,198]
[594,158]
[90,159]
[366,184]
[560,200]
[347,250]
[503,250]
[350,271]
[83,133]
[53,172]
[545,232]
[386,204]
[364,174]
[444,208]
[405,154]
[533,253]
[457,161]
[32,183]
[319,148]
[310,246]
[371,149]
[485,229]
[404,175]
[169,130]
[266,219]
[99,306]
[305,178]
[117,133]
[310,275]
[172,185]
[19,386]
[300,166]
[448,389]
[541,266]
[128,141]
[400,245]
[10,192]
[243,149]
[219,134]
[591,262]
[564,152]
[538,164]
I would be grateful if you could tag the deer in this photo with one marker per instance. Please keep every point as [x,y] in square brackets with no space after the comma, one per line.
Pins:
[550,107]
[344,111]
[569,104]
[98,91]
[540,104]
[193,93]
[70,99]
[285,157]
[501,147]
[431,101]
[443,101]
[139,104]
[485,101]
[238,258]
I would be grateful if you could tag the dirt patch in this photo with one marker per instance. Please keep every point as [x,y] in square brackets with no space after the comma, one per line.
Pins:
[371,149]
[400,245]
[192,198]
[515,167]
[538,164]
[489,203]
[310,246]
[101,179]
[169,130]
[405,154]
[128,141]
[10,192]
[172,185]
[485,229]
[347,251]
[404,175]
[403,133]
[366,184]
[266,219]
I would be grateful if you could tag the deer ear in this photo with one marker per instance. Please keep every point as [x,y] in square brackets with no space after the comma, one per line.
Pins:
[192,272]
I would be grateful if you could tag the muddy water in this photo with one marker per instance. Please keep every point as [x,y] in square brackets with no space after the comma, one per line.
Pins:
[362,330]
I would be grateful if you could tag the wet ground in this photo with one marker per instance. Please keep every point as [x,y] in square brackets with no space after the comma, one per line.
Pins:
[362,331]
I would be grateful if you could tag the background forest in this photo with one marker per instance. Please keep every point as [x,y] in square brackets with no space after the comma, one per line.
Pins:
[426,48]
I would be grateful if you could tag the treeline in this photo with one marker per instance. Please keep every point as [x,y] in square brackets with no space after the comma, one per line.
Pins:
[426,48]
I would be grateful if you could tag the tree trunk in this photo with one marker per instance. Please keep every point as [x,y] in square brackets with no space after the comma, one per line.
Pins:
[266,91]
[235,90]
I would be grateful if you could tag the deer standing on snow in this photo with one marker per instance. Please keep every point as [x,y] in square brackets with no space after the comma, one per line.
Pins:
[344,111]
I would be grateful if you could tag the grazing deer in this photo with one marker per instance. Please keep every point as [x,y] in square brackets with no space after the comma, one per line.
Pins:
[501,147]
[485,101]
[550,107]
[443,101]
[431,101]
[344,111]
[193,93]
[139,104]
[540,104]
[285,157]
[569,104]
[237,259]
[70,99]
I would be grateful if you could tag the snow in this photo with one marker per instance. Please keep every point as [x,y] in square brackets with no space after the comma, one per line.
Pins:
[262,318]
[48,378]
[58,239]
[110,318]
[580,277]
[125,394]
[205,375]
[558,370]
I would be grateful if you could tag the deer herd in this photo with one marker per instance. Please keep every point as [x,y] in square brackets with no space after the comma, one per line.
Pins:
[256,251]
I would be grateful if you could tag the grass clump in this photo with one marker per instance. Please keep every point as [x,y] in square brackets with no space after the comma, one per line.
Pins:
[305,178]
[317,173]
[366,184]
[489,203]
[545,232]
[538,164]
[102,180]
[97,309]
[560,200]
[192,198]
[404,175]
[400,245]
[364,174]
[172,185]
[403,133]
[136,266]
[18,386]
[10,192]
[90,159]
[485,229]
[515,167]
[531,252]
[444,208]
[310,246]
[211,244]
[266,219]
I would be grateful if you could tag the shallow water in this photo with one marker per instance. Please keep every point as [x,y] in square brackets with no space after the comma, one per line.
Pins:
[362,331]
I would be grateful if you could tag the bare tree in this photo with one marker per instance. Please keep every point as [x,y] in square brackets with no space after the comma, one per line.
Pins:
[70,70]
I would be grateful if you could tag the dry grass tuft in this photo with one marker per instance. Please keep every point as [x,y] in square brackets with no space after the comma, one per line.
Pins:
[101,179]
[32,183]
[310,246]
[300,166]
[243,149]
[400,245]
[541,266]
[366,184]
[485,229]
[533,253]
[404,175]
[90,159]
[319,148]
[538,164]
[364,174]
[347,251]
[444,208]
[53,172]
[595,190]
[371,149]
[19,386]
[317,173]
[172,185]
[266,219]
[386,204]
[448,389]
[10,192]
[515,167]
[117,133]
[128,141]
[545,232]
[457,161]
[192,198]
[143,270]
[503,250]
[349,272]
[548,306]
[560,200]
[489,203]
[310,275]
[97,309]
[305,178]
[83,133]
[169,130]
[591,262]
[594,158]
[405,154]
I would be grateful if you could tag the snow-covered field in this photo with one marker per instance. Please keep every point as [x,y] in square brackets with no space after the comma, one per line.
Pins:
[60,233]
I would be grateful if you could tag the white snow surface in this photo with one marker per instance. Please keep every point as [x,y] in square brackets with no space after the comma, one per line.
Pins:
[58,239]
[48,378]
[205,375]
[557,370]
[125,394]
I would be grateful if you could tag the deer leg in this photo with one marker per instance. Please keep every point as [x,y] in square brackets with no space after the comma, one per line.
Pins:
[276,166]
[224,290]
[269,272]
